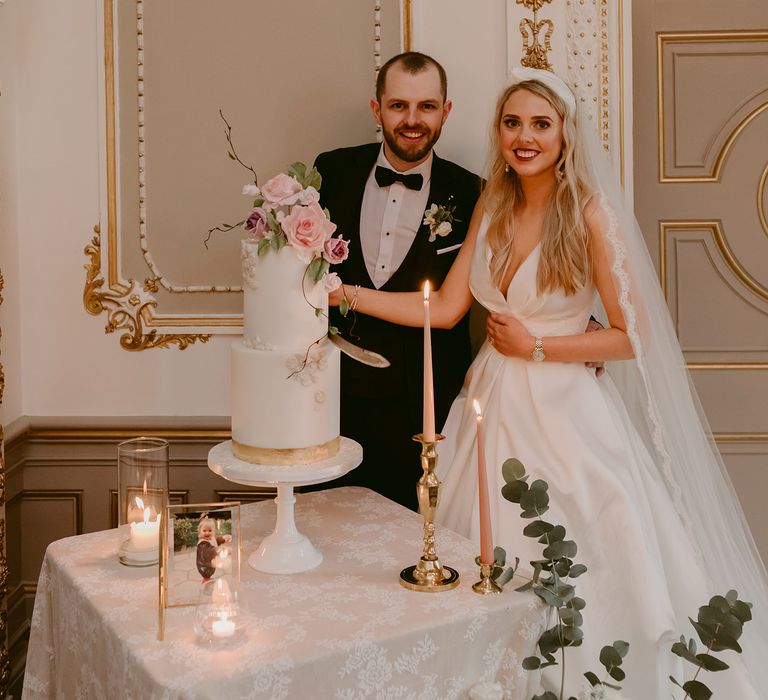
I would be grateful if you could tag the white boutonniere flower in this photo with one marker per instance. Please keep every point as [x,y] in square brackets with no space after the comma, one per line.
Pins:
[440,219]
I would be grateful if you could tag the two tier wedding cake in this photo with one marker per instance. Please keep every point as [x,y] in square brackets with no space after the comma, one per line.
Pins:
[284,371]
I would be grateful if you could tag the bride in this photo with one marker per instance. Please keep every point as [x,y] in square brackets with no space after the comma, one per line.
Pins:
[632,474]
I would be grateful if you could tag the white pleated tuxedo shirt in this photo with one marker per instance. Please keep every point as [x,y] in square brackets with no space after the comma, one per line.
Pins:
[390,217]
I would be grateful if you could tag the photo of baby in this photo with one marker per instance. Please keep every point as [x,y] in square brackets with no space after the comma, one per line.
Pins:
[209,545]
[203,547]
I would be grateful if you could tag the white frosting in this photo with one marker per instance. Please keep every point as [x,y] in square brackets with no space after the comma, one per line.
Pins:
[276,314]
[276,407]
[284,385]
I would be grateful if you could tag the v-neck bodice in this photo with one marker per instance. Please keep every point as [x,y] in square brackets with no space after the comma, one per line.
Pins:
[549,313]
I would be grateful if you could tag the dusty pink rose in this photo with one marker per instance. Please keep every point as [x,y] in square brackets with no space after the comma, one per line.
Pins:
[336,250]
[307,230]
[281,190]
[331,281]
[256,223]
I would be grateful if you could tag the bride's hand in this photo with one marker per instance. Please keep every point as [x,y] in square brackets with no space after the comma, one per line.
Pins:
[508,335]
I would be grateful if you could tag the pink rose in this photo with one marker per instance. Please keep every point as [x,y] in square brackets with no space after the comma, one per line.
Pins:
[256,223]
[307,230]
[331,281]
[281,190]
[336,250]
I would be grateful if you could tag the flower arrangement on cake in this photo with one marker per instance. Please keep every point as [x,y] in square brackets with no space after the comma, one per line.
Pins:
[286,212]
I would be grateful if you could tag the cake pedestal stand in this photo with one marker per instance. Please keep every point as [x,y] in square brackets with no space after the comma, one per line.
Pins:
[286,550]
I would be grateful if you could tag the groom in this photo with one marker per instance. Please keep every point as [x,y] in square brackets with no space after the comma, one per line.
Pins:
[377,196]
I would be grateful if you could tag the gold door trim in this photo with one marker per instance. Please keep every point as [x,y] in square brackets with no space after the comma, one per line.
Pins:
[698,37]
[715,227]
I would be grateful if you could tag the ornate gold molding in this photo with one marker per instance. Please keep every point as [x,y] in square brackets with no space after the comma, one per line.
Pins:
[5,663]
[535,49]
[732,262]
[128,306]
[407,20]
[699,37]
[760,195]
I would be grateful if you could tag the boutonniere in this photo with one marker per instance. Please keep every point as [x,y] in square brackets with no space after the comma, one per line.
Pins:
[439,218]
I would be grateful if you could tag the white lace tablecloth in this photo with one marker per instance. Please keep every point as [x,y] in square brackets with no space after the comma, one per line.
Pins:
[345,630]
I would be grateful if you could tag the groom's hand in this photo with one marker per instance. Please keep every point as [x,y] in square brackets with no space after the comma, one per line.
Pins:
[599,367]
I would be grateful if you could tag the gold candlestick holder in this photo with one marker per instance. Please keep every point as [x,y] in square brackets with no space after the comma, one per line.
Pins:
[429,575]
[486,585]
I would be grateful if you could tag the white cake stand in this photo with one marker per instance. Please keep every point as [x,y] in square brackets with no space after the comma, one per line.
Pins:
[286,550]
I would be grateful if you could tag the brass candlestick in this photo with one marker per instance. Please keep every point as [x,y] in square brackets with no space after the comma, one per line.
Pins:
[486,585]
[429,575]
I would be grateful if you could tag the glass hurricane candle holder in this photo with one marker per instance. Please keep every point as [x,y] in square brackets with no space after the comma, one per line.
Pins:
[218,616]
[142,494]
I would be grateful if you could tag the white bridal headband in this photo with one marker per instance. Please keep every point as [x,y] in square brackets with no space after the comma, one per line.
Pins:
[560,88]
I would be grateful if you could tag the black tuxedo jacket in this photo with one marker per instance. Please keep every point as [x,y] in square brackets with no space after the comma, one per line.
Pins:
[344,175]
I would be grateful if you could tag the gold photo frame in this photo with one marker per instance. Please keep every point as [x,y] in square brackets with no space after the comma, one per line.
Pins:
[200,543]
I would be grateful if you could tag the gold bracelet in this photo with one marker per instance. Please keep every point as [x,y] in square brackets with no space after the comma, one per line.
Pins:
[353,303]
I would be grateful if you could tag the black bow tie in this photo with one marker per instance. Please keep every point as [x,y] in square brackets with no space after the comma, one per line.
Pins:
[385,177]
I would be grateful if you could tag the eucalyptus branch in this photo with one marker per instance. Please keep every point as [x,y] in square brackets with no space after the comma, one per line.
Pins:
[233,152]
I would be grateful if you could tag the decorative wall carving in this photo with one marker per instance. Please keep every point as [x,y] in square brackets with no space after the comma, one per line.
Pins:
[536,34]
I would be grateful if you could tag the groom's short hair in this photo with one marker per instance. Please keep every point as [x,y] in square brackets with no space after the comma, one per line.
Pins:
[411,62]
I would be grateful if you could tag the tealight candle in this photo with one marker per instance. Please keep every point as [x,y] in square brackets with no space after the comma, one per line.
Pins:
[223,627]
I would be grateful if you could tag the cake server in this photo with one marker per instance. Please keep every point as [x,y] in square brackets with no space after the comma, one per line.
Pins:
[367,357]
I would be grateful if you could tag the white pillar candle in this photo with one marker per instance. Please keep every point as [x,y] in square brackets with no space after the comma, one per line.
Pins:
[146,535]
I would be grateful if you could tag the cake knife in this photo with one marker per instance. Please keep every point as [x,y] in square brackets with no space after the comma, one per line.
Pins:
[367,357]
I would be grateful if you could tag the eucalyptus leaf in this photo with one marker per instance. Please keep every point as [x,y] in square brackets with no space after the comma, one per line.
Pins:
[574,634]
[513,470]
[549,695]
[556,550]
[534,501]
[344,306]
[531,663]
[332,330]
[592,678]
[609,657]
[697,690]
[681,650]
[577,570]
[556,534]
[622,647]
[537,528]
[513,490]
[711,663]
[500,555]
[525,587]
[507,575]
[742,610]
[617,674]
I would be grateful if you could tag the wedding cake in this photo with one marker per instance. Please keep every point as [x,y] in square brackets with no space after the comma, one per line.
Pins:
[285,384]
[284,371]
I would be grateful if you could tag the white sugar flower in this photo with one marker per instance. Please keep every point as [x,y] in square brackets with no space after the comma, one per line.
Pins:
[251,191]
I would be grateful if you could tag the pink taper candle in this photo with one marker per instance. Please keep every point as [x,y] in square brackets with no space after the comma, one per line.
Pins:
[429,391]
[486,534]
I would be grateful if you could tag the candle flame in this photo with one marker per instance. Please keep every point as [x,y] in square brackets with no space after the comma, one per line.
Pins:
[426,290]
[145,487]
[476,405]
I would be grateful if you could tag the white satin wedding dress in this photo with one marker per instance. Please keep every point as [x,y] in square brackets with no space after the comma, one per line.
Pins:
[572,430]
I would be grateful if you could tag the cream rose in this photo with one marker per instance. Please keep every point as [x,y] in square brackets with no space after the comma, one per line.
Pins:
[281,190]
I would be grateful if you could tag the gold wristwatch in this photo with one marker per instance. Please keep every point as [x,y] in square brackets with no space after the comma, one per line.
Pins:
[538,351]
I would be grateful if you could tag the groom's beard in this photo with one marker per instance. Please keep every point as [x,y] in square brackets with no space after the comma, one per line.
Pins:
[411,152]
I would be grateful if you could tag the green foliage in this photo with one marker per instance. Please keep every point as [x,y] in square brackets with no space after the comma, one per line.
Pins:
[317,268]
[307,177]
[719,626]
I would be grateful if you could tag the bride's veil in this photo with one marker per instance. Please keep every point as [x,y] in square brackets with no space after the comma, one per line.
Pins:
[662,403]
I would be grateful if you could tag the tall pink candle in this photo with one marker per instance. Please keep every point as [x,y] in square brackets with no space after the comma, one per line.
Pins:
[429,391]
[486,534]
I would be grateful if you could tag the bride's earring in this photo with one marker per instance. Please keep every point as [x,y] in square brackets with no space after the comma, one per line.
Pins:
[507,168]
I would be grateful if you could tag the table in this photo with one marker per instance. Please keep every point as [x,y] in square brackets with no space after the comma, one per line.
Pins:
[346,630]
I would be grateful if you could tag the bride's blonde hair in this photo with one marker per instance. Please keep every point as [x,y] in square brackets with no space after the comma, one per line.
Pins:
[564,260]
